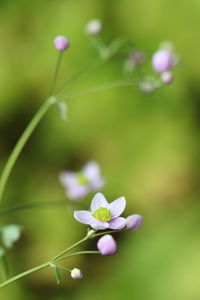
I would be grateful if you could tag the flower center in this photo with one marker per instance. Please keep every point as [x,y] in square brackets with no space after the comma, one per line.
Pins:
[82,178]
[102,214]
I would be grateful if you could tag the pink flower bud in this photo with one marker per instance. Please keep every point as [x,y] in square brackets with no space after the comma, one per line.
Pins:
[134,222]
[61,43]
[167,77]
[107,245]
[76,274]
[162,61]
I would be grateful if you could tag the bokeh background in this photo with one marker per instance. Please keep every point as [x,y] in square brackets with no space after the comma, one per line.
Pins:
[147,145]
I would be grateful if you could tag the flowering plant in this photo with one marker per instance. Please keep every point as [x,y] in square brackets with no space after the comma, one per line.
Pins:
[102,216]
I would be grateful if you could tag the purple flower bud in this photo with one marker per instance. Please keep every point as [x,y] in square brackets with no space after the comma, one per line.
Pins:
[76,274]
[61,43]
[167,77]
[162,61]
[93,27]
[107,245]
[134,222]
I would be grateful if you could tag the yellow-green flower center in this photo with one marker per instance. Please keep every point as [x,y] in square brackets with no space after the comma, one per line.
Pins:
[81,178]
[102,214]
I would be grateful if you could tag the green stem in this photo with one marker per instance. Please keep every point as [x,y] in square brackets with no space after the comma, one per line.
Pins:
[107,232]
[30,205]
[114,84]
[55,76]
[42,266]
[76,253]
[4,267]
[98,62]
[21,143]
[59,257]
[70,248]
[23,274]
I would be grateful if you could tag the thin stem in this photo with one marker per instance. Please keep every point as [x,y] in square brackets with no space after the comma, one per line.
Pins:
[55,76]
[107,232]
[42,266]
[97,62]
[116,45]
[76,253]
[4,267]
[70,248]
[59,257]
[64,269]
[21,143]
[23,274]
[30,205]
[114,84]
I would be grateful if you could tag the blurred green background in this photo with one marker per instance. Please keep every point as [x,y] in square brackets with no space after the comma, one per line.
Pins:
[147,146]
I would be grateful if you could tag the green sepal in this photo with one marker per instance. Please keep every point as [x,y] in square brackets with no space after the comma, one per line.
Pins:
[57,274]
[63,110]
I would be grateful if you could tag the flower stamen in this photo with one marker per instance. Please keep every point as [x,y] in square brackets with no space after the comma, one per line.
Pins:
[102,214]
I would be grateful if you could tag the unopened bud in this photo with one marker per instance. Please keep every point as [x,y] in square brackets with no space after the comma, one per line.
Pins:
[61,43]
[107,245]
[76,273]
[134,222]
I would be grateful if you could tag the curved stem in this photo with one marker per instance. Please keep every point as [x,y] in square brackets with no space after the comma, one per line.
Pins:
[107,232]
[76,253]
[114,84]
[30,205]
[21,143]
[59,257]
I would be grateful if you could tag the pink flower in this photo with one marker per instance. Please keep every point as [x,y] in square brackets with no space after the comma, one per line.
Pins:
[162,61]
[107,245]
[61,43]
[103,215]
[79,184]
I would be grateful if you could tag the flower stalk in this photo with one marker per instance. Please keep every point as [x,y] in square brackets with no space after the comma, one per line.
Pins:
[61,256]
[22,141]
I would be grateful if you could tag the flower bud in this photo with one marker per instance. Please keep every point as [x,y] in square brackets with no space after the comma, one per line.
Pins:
[167,77]
[76,273]
[107,245]
[162,61]
[61,43]
[93,27]
[134,222]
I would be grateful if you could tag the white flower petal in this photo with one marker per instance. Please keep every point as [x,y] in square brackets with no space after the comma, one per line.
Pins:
[98,225]
[98,201]
[67,179]
[117,223]
[84,217]
[117,207]
[91,170]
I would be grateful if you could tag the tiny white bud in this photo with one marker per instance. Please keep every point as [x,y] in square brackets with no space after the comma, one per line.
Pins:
[76,273]
[93,27]
[167,77]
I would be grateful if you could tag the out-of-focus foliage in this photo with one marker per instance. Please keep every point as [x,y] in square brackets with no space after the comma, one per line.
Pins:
[147,145]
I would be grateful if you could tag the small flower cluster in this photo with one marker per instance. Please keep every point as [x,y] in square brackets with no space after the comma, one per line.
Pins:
[162,61]
[104,215]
